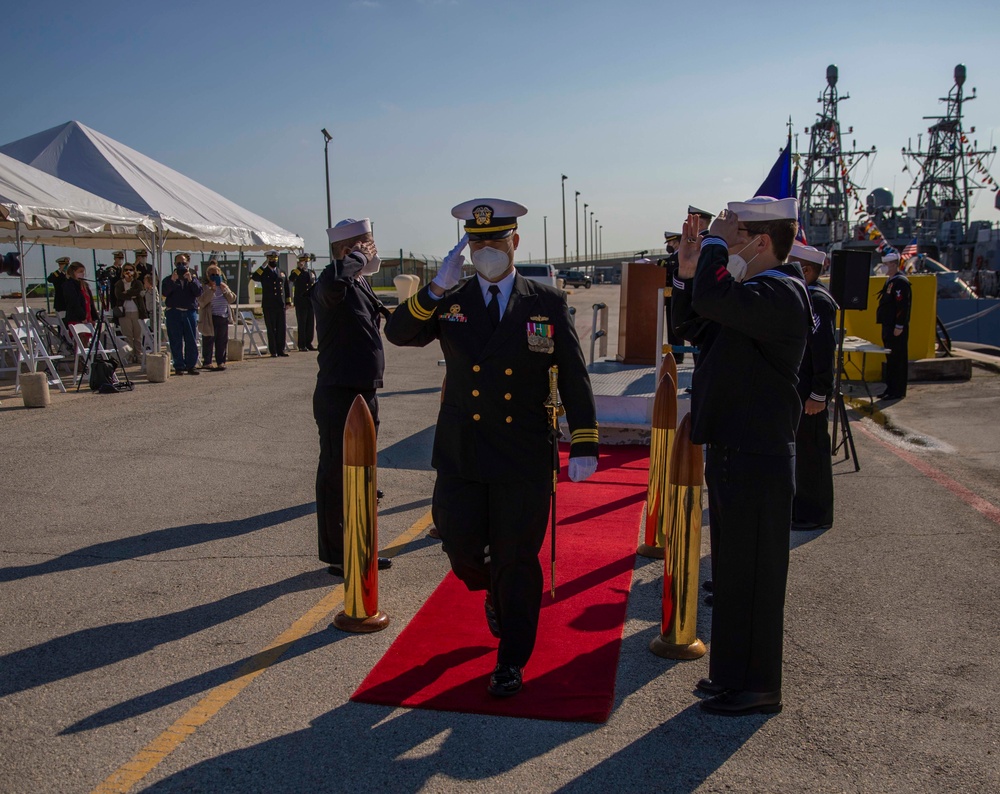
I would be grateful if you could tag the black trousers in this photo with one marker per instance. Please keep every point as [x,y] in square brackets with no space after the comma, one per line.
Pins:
[274,320]
[492,534]
[673,338]
[813,502]
[331,404]
[896,360]
[750,508]
[306,321]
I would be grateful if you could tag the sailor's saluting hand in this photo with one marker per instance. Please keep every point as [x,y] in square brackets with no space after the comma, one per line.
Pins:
[450,271]
[689,248]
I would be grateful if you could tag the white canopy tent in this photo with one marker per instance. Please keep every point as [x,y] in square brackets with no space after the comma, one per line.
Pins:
[187,216]
[41,208]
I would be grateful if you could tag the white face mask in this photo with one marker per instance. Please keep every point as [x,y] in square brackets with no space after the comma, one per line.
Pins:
[737,265]
[490,262]
[374,263]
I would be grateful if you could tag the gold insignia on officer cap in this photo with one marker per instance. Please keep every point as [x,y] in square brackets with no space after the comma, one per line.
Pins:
[484,215]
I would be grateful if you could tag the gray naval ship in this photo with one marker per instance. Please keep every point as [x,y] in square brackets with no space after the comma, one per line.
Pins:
[930,226]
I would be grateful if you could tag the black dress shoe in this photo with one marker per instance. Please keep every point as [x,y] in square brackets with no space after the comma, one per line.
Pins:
[737,703]
[505,681]
[809,526]
[709,600]
[310,347]
[709,687]
[338,570]
[379,493]
[491,616]
[283,355]
[707,586]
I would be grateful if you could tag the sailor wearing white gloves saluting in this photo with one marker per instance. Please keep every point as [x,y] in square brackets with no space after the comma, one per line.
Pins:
[500,334]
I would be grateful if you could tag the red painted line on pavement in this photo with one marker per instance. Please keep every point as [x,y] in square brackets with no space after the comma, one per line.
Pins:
[977,503]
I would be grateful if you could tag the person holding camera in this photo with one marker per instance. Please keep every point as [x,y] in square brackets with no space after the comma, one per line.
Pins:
[77,297]
[213,317]
[130,309]
[180,292]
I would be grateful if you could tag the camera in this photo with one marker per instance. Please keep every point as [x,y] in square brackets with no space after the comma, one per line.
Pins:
[106,273]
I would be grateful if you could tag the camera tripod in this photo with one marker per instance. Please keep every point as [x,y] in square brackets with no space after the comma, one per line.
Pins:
[99,327]
[840,408]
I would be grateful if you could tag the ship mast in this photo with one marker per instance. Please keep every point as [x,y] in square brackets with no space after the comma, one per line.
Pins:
[826,185]
[945,182]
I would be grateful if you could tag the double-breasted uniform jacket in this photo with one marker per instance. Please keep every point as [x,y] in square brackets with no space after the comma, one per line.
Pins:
[816,374]
[301,280]
[755,345]
[493,425]
[894,302]
[57,278]
[275,292]
[348,316]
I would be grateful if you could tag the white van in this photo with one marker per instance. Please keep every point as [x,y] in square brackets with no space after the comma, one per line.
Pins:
[543,274]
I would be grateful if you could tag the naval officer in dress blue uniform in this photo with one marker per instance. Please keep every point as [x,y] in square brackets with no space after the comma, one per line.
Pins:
[351,363]
[275,297]
[745,408]
[812,507]
[500,334]
[302,280]
[893,314]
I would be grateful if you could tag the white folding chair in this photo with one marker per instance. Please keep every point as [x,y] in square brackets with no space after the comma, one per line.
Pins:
[258,340]
[9,351]
[29,342]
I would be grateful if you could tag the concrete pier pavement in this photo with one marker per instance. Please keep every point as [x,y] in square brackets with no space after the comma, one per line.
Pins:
[160,589]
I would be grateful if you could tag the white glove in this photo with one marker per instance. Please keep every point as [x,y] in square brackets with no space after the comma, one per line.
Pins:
[352,264]
[451,268]
[581,468]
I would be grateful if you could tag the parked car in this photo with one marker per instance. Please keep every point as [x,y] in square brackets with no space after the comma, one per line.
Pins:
[575,278]
[543,274]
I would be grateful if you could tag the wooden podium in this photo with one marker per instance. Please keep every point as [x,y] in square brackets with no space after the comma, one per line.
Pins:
[638,312]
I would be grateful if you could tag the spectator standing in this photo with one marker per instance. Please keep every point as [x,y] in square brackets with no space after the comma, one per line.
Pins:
[77,297]
[213,317]
[131,309]
[180,292]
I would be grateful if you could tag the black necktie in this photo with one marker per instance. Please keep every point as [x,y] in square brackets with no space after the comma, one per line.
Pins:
[493,307]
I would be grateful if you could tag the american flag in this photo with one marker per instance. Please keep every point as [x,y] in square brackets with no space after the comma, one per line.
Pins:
[909,251]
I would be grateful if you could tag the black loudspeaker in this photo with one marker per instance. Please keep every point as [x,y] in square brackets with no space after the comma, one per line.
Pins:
[849,272]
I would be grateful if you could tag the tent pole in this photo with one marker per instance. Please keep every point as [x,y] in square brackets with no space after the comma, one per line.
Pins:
[239,274]
[24,297]
[45,276]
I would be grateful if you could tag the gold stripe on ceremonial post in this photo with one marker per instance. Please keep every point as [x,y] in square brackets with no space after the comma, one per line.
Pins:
[679,625]
[661,442]
[361,613]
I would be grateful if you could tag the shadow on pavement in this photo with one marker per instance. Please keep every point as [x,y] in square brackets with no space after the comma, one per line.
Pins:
[154,542]
[94,648]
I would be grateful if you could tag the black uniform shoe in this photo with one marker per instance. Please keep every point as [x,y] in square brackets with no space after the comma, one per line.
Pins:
[379,493]
[809,526]
[736,703]
[709,600]
[505,681]
[707,586]
[283,355]
[491,616]
[310,347]
[338,570]
[709,687]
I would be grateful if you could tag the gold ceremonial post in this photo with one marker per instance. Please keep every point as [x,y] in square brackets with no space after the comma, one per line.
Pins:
[661,443]
[679,625]
[555,409]
[360,613]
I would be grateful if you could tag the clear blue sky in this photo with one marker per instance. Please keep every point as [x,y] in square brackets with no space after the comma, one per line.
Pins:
[646,106]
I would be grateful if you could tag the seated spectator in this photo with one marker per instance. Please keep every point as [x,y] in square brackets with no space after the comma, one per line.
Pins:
[213,317]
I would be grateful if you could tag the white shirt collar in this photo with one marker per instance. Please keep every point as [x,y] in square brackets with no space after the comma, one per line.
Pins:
[506,285]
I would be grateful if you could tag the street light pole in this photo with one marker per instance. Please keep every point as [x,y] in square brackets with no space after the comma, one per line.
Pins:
[326,160]
[591,230]
[576,224]
[545,236]
[600,241]
[585,205]
[563,184]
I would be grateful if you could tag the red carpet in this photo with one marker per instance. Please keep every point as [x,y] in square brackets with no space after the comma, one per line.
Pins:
[443,658]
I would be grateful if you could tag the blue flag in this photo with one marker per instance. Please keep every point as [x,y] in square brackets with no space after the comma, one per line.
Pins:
[779,183]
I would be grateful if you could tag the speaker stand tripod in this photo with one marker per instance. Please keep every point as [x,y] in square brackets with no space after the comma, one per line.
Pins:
[840,408]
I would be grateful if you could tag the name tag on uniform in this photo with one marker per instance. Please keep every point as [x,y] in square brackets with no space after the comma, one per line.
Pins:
[541,336]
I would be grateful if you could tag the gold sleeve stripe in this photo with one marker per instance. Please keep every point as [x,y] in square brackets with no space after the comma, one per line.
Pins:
[584,436]
[490,229]
[418,311]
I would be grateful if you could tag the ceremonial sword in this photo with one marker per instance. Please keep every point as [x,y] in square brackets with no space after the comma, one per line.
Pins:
[555,410]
